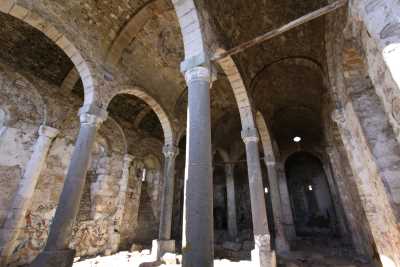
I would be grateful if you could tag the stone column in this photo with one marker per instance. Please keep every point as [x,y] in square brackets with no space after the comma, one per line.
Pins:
[164,243]
[56,252]
[197,236]
[115,232]
[24,194]
[287,215]
[337,202]
[281,242]
[262,254]
[231,200]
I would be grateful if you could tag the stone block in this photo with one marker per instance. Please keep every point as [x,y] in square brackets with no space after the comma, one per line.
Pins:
[160,247]
[261,258]
[169,258]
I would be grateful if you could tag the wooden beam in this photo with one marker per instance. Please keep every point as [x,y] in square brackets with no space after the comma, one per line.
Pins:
[269,35]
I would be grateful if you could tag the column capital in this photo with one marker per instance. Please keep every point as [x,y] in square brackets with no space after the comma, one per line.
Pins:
[270,163]
[198,73]
[92,115]
[250,135]
[128,158]
[48,131]
[170,151]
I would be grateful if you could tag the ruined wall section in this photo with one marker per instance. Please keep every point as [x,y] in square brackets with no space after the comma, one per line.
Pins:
[142,209]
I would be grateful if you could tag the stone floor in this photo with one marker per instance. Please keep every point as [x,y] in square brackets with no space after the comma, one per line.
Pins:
[144,259]
[305,252]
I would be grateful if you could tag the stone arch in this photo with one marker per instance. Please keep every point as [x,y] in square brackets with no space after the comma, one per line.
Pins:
[231,70]
[30,17]
[121,132]
[316,154]
[297,60]
[192,34]
[195,47]
[265,137]
[133,27]
[70,80]
[169,135]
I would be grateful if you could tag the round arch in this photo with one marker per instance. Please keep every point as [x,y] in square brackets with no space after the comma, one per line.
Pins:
[30,17]
[169,136]
[133,27]
[231,70]
[296,60]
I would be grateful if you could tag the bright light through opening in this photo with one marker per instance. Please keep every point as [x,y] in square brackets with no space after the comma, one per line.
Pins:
[310,188]
[144,175]
[297,139]
[266,190]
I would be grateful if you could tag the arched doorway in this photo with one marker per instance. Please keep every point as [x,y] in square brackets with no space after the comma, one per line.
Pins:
[310,197]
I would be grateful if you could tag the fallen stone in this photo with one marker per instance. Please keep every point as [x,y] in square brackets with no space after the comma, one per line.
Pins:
[169,258]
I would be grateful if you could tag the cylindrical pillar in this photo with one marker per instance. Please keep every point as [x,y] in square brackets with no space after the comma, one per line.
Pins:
[287,214]
[262,254]
[56,252]
[231,200]
[170,153]
[24,194]
[197,236]
[164,243]
[281,242]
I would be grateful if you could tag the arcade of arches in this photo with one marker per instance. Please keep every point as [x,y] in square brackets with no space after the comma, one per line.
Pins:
[131,128]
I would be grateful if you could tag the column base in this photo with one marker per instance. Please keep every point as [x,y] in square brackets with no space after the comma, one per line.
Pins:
[262,255]
[160,247]
[55,258]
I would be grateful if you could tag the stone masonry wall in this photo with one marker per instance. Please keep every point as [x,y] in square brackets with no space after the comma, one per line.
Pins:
[27,102]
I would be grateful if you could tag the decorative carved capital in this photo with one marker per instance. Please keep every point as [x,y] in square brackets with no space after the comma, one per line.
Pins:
[48,131]
[250,135]
[92,115]
[170,151]
[198,74]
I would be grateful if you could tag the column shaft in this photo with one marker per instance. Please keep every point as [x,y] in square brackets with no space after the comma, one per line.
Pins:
[24,194]
[167,202]
[56,252]
[281,242]
[231,201]
[197,243]
[287,215]
[262,254]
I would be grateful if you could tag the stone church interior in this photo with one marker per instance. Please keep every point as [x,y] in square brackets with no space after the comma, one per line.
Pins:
[200,133]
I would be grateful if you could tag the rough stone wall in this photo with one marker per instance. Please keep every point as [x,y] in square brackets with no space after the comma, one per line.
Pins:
[144,197]
[368,138]
[18,133]
[28,102]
